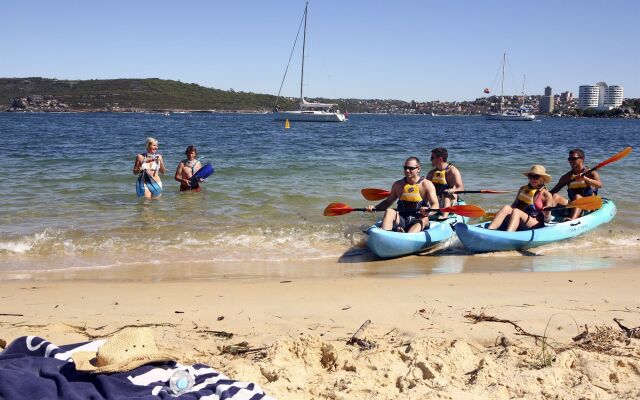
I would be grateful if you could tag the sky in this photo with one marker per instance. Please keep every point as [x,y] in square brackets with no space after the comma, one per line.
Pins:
[407,50]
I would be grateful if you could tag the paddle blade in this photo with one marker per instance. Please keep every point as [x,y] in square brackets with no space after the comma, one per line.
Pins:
[467,210]
[335,209]
[487,191]
[374,194]
[615,158]
[586,203]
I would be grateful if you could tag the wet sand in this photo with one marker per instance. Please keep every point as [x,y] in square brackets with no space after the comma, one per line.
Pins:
[424,346]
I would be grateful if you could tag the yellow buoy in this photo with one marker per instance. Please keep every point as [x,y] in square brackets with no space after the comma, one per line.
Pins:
[286,124]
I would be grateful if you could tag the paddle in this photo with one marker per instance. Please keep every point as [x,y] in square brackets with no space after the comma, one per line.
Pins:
[379,194]
[589,203]
[468,210]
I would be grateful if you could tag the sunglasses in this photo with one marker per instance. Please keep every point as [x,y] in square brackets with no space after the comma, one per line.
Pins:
[533,176]
[573,158]
[409,168]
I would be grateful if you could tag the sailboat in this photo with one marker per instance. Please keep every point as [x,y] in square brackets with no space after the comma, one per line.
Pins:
[521,114]
[308,111]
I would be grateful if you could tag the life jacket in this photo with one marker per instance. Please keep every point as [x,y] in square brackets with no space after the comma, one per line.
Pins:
[439,179]
[580,187]
[528,200]
[410,201]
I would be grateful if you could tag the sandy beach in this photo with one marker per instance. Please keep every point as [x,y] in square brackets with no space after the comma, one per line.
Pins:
[292,334]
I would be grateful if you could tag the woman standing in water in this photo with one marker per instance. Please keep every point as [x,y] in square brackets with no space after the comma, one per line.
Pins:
[187,168]
[150,163]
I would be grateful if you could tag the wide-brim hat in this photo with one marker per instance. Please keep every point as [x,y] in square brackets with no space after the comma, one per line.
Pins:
[538,170]
[127,349]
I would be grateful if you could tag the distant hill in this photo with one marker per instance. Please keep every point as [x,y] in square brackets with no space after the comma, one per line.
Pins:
[140,94]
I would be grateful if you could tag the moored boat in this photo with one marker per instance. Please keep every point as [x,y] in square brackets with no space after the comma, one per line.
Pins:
[481,240]
[388,244]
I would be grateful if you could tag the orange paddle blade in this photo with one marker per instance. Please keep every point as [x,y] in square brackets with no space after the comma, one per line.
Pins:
[467,210]
[374,194]
[335,209]
[586,203]
[617,157]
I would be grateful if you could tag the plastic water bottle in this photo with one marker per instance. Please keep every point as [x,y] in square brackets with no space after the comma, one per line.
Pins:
[181,381]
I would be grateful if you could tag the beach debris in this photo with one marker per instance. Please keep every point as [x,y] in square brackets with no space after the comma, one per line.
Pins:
[3,343]
[221,334]
[356,339]
[285,281]
[482,317]
[632,333]
[241,349]
[178,312]
[11,315]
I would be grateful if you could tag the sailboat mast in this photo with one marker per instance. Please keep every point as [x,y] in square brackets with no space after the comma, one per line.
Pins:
[523,79]
[304,41]
[504,60]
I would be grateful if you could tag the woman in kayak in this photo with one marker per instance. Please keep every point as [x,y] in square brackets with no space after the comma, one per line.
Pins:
[187,168]
[527,211]
[151,162]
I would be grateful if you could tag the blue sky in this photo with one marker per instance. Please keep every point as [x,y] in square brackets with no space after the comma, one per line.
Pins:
[408,50]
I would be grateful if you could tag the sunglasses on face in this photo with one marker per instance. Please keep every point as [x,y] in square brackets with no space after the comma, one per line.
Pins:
[533,176]
[405,167]
[573,158]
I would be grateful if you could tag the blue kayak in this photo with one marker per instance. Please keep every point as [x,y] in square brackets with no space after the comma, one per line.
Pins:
[480,240]
[388,244]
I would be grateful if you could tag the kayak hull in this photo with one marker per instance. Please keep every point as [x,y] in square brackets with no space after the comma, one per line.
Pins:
[478,239]
[389,244]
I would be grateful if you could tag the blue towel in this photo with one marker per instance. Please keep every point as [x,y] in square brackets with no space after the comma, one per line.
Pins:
[33,368]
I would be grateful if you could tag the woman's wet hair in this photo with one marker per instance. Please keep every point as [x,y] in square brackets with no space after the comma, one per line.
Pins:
[189,149]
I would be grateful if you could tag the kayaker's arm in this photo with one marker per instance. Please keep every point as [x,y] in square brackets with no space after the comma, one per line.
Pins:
[562,182]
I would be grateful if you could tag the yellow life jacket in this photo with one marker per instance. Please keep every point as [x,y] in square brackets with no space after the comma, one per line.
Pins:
[410,198]
[526,199]
[439,179]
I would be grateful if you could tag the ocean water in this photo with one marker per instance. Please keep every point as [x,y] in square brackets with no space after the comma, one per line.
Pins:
[69,203]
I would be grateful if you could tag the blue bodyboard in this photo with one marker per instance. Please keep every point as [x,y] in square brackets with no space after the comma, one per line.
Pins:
[140,185]
[152,185]
[201,174]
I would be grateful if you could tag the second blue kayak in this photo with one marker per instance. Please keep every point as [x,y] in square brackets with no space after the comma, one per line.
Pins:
[479,239]
[388,244]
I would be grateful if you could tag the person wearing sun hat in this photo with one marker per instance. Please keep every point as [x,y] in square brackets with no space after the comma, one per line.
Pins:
[127,349]
[527,211]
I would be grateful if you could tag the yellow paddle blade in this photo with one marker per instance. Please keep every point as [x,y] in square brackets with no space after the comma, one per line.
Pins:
[586,203]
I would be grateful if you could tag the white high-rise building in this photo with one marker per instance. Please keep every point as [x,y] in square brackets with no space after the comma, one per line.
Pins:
[588,96]
[615,95]
[600,96]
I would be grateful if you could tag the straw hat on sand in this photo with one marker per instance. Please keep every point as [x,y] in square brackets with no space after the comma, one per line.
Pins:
[124,351]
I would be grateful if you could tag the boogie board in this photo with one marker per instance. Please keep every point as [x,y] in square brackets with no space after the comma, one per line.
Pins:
[152,185]
[140,185]
[201,174]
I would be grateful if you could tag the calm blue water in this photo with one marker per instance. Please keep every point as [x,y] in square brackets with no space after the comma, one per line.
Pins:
[68,195]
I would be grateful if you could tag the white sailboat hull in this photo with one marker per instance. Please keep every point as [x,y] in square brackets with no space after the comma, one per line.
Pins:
[510,117]
[309,116]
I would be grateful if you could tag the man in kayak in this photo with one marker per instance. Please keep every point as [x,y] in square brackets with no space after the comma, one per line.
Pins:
[445,177]
[580,183]
[527,211]
[415,196]
[187,168]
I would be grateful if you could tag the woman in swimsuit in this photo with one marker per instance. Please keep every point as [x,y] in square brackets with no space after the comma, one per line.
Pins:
[152,162]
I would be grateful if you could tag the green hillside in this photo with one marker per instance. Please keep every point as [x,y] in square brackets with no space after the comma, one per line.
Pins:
[148,94]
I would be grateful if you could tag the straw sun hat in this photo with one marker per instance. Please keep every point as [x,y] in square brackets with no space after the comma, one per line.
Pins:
[124,351]
[538,170]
